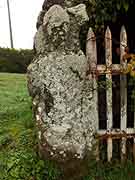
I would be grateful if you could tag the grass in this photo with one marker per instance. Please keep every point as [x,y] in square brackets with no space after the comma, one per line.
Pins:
[18,148]
[19,159]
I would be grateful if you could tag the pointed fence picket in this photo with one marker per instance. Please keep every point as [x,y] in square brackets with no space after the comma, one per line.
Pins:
[91,54]
[108,56]
[123,91]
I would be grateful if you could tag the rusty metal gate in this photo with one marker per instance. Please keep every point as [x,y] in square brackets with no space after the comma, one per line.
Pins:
[110,134]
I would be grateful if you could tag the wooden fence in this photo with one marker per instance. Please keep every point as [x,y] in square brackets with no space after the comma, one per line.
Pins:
[110,134]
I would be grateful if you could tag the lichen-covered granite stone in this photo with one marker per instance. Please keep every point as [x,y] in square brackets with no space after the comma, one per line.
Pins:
[63,3]
[64,100]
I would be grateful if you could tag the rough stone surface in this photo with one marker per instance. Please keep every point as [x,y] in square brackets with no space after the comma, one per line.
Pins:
[64,3]
[52,34]
[60,29]
[63,96]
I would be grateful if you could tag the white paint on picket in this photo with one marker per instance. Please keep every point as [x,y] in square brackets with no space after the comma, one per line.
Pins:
[108,55]
[91,50]
[123,80]
[109,149]
[91,54]
[123,91]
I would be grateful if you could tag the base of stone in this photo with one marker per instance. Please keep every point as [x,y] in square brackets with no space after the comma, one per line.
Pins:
[72,168]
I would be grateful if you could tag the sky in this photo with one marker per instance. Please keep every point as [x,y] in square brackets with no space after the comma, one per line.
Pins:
[24,15]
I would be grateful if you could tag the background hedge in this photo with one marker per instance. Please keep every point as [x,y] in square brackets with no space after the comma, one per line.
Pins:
[15,61]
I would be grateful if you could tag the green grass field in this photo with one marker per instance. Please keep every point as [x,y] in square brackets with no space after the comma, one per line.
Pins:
[18,157]
[18,146]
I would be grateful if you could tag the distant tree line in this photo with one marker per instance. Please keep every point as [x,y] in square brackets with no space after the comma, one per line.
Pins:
[15,61]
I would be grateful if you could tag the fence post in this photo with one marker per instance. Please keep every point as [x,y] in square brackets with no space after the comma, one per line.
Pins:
[108,55]
[91,54]
[123,92]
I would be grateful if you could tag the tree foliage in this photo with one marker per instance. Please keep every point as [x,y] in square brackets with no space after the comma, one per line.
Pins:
[15,61]
[101,11]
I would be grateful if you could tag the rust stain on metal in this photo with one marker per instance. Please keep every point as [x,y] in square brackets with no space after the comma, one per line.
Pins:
[115,136]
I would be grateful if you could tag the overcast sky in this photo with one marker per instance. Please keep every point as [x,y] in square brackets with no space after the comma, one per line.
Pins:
[24,16]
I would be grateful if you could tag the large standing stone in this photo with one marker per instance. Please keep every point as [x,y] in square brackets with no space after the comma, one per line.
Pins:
[63,100]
